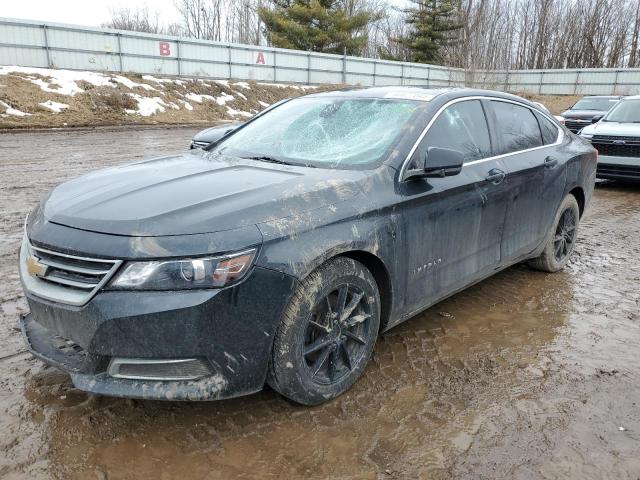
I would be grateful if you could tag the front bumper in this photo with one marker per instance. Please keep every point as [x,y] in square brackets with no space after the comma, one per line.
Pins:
[230,330]
[618,168]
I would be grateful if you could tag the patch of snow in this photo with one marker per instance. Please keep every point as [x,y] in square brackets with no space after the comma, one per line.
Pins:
[131,84]
[62,82]
[244,85]
[263,104]
[187,105]
[147,106]
[199,98]
[234,113]
[195,97]
[151,78]
[55,107]
[224,98]
[9,110]
[240,95]
[223,82]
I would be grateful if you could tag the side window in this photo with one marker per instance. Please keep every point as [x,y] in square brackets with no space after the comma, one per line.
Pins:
[517,127]
[549,130]
[462,127]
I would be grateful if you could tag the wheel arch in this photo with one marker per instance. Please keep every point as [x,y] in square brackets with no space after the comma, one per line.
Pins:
[579,195]
[381,275]
[375,265]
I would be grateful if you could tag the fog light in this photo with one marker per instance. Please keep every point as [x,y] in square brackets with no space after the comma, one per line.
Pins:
[158,369]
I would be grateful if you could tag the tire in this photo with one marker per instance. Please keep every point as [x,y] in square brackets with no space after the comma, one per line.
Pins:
[317,353]
[561,239]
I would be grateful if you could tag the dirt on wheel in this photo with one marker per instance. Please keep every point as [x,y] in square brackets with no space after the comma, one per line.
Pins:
[525,375]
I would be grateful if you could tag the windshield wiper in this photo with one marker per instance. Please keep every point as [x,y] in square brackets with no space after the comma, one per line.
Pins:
[266,158]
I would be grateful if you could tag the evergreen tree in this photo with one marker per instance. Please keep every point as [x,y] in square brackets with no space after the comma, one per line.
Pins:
[316,25]
[434,24]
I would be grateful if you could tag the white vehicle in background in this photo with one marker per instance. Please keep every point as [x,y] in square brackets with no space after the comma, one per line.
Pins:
[542,107]
[617,139]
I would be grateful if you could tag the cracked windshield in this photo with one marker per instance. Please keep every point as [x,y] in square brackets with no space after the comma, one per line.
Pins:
[324,132]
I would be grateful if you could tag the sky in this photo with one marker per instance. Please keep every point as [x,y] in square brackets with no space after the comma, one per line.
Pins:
[81,12]
[86,12]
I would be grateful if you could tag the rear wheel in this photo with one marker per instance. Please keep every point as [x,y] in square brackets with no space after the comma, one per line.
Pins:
[561,239]
[327,333]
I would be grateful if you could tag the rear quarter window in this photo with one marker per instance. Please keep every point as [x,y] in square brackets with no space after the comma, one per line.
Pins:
[550,131]
[516,126]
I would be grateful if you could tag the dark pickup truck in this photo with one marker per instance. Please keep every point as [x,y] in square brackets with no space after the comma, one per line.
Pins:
[588,110]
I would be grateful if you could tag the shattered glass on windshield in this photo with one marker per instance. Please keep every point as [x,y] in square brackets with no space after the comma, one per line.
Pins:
[324,132]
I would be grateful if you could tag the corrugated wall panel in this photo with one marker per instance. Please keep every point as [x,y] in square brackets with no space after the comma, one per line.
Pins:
[156,66]
[357,66]
[149,47]
[203,69]
[215,53]
[84,61]
[257,72]
[321,62]
[318,76]
[21,35]
[24,57]
[359,79]
[67,39]
[289,60]
[251,57]
[291,76]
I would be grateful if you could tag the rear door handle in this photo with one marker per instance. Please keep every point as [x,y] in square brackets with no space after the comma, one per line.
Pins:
[550,162]
[495,176]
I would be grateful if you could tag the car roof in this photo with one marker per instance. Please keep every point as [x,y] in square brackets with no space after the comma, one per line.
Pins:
[631,97]
[604,96]
[416,93]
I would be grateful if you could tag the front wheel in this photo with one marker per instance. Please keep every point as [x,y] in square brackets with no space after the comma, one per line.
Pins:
[327,333]
[561,239]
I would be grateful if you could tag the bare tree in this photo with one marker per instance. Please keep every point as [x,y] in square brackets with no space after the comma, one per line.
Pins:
[137,20]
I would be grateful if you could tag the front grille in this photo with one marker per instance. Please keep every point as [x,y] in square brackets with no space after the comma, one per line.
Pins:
[616,138]
[576,125]
[61,277]
[616,146]
[73,272]
[608,170]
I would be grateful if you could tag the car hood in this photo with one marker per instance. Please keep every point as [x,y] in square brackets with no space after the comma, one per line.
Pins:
[194,193]
[613,128]
[583,114]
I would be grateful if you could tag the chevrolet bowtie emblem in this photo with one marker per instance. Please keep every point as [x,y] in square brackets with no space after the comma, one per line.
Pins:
[35,268]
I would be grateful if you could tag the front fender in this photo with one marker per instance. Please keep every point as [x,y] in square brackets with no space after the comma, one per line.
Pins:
[297,245]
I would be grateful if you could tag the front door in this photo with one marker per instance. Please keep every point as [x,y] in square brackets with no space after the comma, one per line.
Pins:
[453,225]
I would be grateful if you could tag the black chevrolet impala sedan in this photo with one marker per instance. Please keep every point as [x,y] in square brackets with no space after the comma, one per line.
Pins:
[278,254]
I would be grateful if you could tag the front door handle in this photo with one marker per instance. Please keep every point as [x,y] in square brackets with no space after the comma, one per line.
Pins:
[495,176]
[550,162]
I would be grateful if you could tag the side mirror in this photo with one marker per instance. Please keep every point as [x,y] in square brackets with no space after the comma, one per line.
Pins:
[442,162]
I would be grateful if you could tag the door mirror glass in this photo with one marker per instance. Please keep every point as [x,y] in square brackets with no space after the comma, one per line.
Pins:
[442,162]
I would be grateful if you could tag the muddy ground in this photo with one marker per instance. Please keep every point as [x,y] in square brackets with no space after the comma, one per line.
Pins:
[525,375]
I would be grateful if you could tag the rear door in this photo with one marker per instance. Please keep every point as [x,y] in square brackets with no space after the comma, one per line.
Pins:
[535,180]
[453,225]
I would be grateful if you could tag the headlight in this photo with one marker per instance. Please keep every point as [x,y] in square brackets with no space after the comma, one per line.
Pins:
[208,272]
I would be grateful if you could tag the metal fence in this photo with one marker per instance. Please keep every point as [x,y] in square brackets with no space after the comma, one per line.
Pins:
[52,45]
